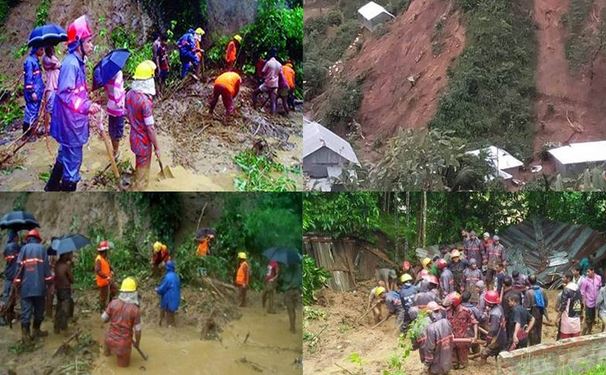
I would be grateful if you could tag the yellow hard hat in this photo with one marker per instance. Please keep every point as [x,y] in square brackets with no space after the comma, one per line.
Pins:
[157,246]
[145,70]
[164,247]
[128,285]
[379,290]
[425,262]
[199,31]
[406,277]
[455,254]
[241,255]
[238,38]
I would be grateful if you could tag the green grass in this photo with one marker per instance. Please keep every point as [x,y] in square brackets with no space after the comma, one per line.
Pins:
[259,173]
[578,43]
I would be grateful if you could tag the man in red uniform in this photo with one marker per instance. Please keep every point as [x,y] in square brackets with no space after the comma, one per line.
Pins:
[438,343]
[269,289]
[461,319]
[231,52]
[124,318]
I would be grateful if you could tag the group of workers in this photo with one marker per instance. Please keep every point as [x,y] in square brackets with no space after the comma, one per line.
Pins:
[67,104]
[474,306]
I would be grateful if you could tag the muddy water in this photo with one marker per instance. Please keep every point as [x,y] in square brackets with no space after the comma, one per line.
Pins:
[269,349]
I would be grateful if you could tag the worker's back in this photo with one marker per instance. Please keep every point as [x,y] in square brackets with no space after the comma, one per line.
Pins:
[35,270]
[229,80]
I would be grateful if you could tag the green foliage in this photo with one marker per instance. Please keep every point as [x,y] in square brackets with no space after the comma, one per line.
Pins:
[122,38]
[599,369]
[489,99]
[42,12]
[343,103]
[216,53]
[355,358]
[314,278]
[19,202]
[395,365]
[11,110]
[263,174]
[340,213]
[311,313]
[579,40]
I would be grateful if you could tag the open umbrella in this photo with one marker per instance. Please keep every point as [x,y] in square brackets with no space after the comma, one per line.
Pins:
[18,220]
[46,35]
[283,255]
[69,243]
[109,65]
[203,232]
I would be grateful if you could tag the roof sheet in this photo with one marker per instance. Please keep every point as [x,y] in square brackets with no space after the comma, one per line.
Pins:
[584,152]
[371,10]
[316,136]
[499,158]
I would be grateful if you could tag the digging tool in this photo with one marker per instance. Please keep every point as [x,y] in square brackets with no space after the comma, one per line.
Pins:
[164,172]
[382,321]
[367,311]
[110,153]
[65,345]
[143,355]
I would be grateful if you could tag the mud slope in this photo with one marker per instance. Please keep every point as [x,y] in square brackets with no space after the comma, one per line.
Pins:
[575,94]
[390,102]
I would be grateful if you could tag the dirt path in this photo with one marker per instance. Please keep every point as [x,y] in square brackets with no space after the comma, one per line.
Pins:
[561,92]
[341,337]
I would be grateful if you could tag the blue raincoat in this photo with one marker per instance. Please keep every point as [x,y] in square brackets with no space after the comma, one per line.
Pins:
[11,252]
[69,121]
[32,83]
[170,289]
[187,54]
[34,269]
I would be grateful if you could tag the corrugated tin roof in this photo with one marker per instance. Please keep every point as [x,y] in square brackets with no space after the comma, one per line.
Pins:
[371,10]
[316,136]
[584,152]
[500,159]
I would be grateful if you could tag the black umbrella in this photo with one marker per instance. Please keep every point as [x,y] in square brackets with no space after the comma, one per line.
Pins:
[69,243]
[18,220]
[203,232]
[283,255]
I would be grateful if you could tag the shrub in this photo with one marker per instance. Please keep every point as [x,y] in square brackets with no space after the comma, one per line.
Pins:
[314,278]
[343,103]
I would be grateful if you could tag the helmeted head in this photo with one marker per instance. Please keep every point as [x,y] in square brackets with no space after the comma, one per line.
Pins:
[103,246]
[433,280]
[426,262]
[455,255]
[473,263]
[492,297]
[145,70]
[129,285]
[454,298]
[34,233]
[157,246]
[405,278]
[242,255]
[435,310]
[238,38]
[199,31]
[441,263]
[79,35]
[379,291]
[486,235]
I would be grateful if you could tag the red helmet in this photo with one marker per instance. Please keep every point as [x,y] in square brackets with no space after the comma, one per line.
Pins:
[454,298]
[433,279]
[492,297]
[103,245]
[34,233]
[78,30]
[406,265]
[441,263]
[424,274]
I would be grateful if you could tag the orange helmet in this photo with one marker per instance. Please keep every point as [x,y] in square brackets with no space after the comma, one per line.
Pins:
[454,298]
[34,233]
[103,245]
[492,297]
[433,280]
[78,30]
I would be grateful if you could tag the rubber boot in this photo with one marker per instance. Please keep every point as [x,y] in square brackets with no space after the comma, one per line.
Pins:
[54,181]
[26,338]
[68,186]
[37,333]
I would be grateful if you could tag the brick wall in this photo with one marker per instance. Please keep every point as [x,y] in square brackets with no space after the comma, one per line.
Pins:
[563,357]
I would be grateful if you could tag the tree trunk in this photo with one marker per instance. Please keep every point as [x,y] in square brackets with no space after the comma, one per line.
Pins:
[424,219]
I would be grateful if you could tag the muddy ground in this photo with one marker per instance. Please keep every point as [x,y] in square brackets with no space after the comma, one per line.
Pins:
[339,336]
[198,147]
[248,340]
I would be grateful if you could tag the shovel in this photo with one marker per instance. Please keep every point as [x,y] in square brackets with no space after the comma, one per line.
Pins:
[164,172]
[110,153]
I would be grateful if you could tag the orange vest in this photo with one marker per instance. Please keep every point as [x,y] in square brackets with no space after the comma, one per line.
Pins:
[105,271]
[199,53]
[242,274]
[231,81]
[289,74]
[203,248]
[230,52]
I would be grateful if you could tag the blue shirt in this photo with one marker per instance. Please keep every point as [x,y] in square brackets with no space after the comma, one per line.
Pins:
[170,290]
[32,77]
[34,270]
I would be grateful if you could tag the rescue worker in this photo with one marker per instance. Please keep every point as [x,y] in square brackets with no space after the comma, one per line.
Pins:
[169,291]
[11,253]
[466,302]
[283,90]
[523,322]
[160,52]
[439,342]
[471,276]
[160,256]
[375,301]
[569,309]
[204,243]
[495,254]
[425,267]
[499,277]
[418,342]
[227,86]
[271,71]
[124,318]
[472,248]
[51,65]
[269,287]
[407,268]
[199,51]
[71,108]
[388,276]
[422,299]
[457,267]
[33,88]
[496,339]
[64,278]
[139,108]
[462,322]
[393,304]
[590,288]
[536,302]
[407,294]
[116,99]
[446,278]
[242,277]
[485,246]
[31,277]
[231,52]
[291,281]
[289,74]
[104,275]
[187,53]
[481,288]
[508,291]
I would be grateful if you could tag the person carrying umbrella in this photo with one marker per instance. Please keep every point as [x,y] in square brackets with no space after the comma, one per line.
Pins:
[169,291]
[11,253]
[64,278]
[269,288]
[33,88]
[242,277]
[33,275]
[139,108]
[71,107]
[104,275]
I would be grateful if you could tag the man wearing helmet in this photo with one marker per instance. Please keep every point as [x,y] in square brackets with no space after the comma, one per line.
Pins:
[71,108]
[447,284]
[374,298]
[242,277]
[462,320]
[439,342]
[496,340]
[494,255]
[104,275]
[472,248]
[231,51]
[422,299]
[457,267]
[187,52]
[407,294]
[31,277]
[124,318]
[471,276]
